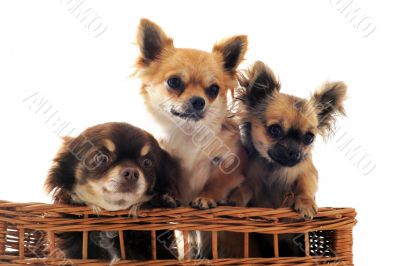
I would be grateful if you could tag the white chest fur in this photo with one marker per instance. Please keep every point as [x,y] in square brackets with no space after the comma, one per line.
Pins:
[194,160]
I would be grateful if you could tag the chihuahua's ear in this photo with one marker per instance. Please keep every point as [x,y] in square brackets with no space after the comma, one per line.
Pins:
[258,82]
[61,174]
[151,40]
[328,101]
[232,51]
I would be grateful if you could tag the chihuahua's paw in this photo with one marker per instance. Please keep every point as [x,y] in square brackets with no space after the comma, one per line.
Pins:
[306,207]
[203,203]
[169,201]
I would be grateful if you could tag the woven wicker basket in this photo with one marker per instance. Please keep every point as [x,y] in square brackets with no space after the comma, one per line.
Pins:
[26,228]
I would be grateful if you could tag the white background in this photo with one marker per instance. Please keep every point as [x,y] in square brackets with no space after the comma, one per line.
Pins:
[46,49]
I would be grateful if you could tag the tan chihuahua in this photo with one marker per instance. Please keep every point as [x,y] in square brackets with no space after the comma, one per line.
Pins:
[186,92]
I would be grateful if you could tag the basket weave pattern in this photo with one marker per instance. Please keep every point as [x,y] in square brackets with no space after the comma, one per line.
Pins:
[27,232]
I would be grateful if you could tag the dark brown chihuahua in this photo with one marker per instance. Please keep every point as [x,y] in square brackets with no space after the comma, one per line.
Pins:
[112,166]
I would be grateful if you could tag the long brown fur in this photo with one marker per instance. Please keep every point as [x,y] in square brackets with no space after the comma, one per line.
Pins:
[282,166]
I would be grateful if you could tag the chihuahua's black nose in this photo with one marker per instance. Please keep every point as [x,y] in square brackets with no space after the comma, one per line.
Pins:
[197,103]
[294,155]
[130,173]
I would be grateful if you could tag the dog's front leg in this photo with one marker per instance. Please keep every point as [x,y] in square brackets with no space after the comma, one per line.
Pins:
[217,189]
[304,191]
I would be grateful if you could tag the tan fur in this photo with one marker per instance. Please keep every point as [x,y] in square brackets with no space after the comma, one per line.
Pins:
[145,150]
[305,189]
[220,184]
[283,109]
[109,145]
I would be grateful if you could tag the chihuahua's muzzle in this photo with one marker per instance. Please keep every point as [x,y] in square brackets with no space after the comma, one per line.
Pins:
[194,109]
[286,156]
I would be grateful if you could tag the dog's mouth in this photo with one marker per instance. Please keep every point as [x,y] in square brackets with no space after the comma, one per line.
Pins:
[282,160]
[195,116]
[127,188]
[124,198]
[122,187]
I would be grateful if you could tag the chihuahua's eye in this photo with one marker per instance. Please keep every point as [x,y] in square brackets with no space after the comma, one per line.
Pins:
[147,163]
[175,83]
[275,131]
[212,91]
[101,159]
[308,138]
